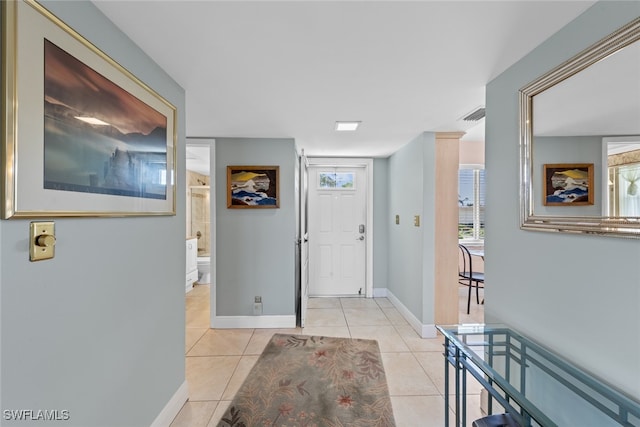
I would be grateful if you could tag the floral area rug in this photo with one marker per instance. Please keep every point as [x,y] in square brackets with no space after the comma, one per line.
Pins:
[313,381]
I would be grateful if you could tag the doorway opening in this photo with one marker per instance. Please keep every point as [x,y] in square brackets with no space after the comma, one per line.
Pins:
[200,221]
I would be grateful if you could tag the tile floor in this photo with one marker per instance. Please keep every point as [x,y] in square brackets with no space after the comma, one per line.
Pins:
[218,360]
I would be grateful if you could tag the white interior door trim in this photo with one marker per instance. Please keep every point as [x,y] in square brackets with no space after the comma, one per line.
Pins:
[367,163]
[303,194]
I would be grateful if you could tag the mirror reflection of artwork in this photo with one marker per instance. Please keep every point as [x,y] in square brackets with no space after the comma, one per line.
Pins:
[99,138]
[568,184]
[252,187]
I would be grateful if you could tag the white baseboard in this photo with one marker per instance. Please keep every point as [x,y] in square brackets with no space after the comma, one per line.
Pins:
[428,331]
[171,409]
[425,331]
[379,292]
[251,322]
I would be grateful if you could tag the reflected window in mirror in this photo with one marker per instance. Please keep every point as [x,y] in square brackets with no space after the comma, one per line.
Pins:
[623,171]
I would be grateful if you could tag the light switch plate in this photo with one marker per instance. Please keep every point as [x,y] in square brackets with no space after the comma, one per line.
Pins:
[39,252]
[416,220]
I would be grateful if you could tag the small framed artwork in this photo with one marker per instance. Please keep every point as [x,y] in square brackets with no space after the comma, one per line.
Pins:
[568,184]
[253,187]
[82,136]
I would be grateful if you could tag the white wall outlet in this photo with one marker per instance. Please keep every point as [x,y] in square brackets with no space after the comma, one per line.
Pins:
[257,308]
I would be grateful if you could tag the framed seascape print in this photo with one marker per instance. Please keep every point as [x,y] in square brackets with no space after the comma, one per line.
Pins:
[568,184]
[82,135]
[253,187]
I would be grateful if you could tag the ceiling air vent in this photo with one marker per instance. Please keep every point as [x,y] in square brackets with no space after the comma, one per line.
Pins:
[475,115]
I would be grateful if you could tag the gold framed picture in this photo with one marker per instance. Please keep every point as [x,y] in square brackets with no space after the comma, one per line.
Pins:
[82,135]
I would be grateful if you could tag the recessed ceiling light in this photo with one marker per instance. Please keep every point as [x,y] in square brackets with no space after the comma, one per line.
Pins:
[92,120]
[347,126]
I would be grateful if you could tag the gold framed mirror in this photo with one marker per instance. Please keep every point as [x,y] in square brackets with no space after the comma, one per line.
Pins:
[583,115]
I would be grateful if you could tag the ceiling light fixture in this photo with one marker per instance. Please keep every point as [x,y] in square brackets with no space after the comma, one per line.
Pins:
[347,126]
[92,121]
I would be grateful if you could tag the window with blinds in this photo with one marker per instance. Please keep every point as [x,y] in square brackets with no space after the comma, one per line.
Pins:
[471,193]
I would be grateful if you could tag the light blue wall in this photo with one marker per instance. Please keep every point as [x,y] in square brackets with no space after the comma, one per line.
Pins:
[578,295]
[410,247]
[567,149]
[98,330]
[255,247]
[381,222]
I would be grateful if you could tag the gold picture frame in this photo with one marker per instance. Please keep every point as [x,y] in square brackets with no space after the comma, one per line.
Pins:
[253,187]
[82,136]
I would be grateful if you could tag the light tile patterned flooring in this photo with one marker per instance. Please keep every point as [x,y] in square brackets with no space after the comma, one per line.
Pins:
[218,360]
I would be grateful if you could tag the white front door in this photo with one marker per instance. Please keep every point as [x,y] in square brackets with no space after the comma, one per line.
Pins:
[337,230]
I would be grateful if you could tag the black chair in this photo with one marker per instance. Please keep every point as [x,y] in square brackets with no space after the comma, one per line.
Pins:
[500,420]
[468,277]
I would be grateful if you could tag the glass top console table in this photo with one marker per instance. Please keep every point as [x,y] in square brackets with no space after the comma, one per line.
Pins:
[534,385]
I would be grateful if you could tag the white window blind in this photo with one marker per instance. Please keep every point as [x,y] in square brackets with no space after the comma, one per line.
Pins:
[471,196]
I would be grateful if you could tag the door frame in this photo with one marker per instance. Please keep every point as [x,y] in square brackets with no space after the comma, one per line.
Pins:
[367,163]
[302,240]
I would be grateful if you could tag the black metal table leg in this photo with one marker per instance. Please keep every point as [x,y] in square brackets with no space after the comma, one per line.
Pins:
[446,382]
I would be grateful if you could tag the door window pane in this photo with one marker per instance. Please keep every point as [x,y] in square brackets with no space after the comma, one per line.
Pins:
[337,180]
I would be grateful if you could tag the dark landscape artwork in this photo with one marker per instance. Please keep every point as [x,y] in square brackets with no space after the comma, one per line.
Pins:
[252,187]
[99,138]
[568,184]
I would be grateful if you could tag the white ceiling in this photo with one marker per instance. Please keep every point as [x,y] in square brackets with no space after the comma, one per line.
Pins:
[293,68]
[198,159]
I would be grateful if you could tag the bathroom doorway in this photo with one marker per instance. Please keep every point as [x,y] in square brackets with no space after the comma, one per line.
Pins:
[201,217]
[198,186]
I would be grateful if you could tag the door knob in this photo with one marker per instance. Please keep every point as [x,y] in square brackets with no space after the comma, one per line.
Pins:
[360,238]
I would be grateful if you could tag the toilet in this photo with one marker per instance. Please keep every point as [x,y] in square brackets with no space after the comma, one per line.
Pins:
[204,268]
